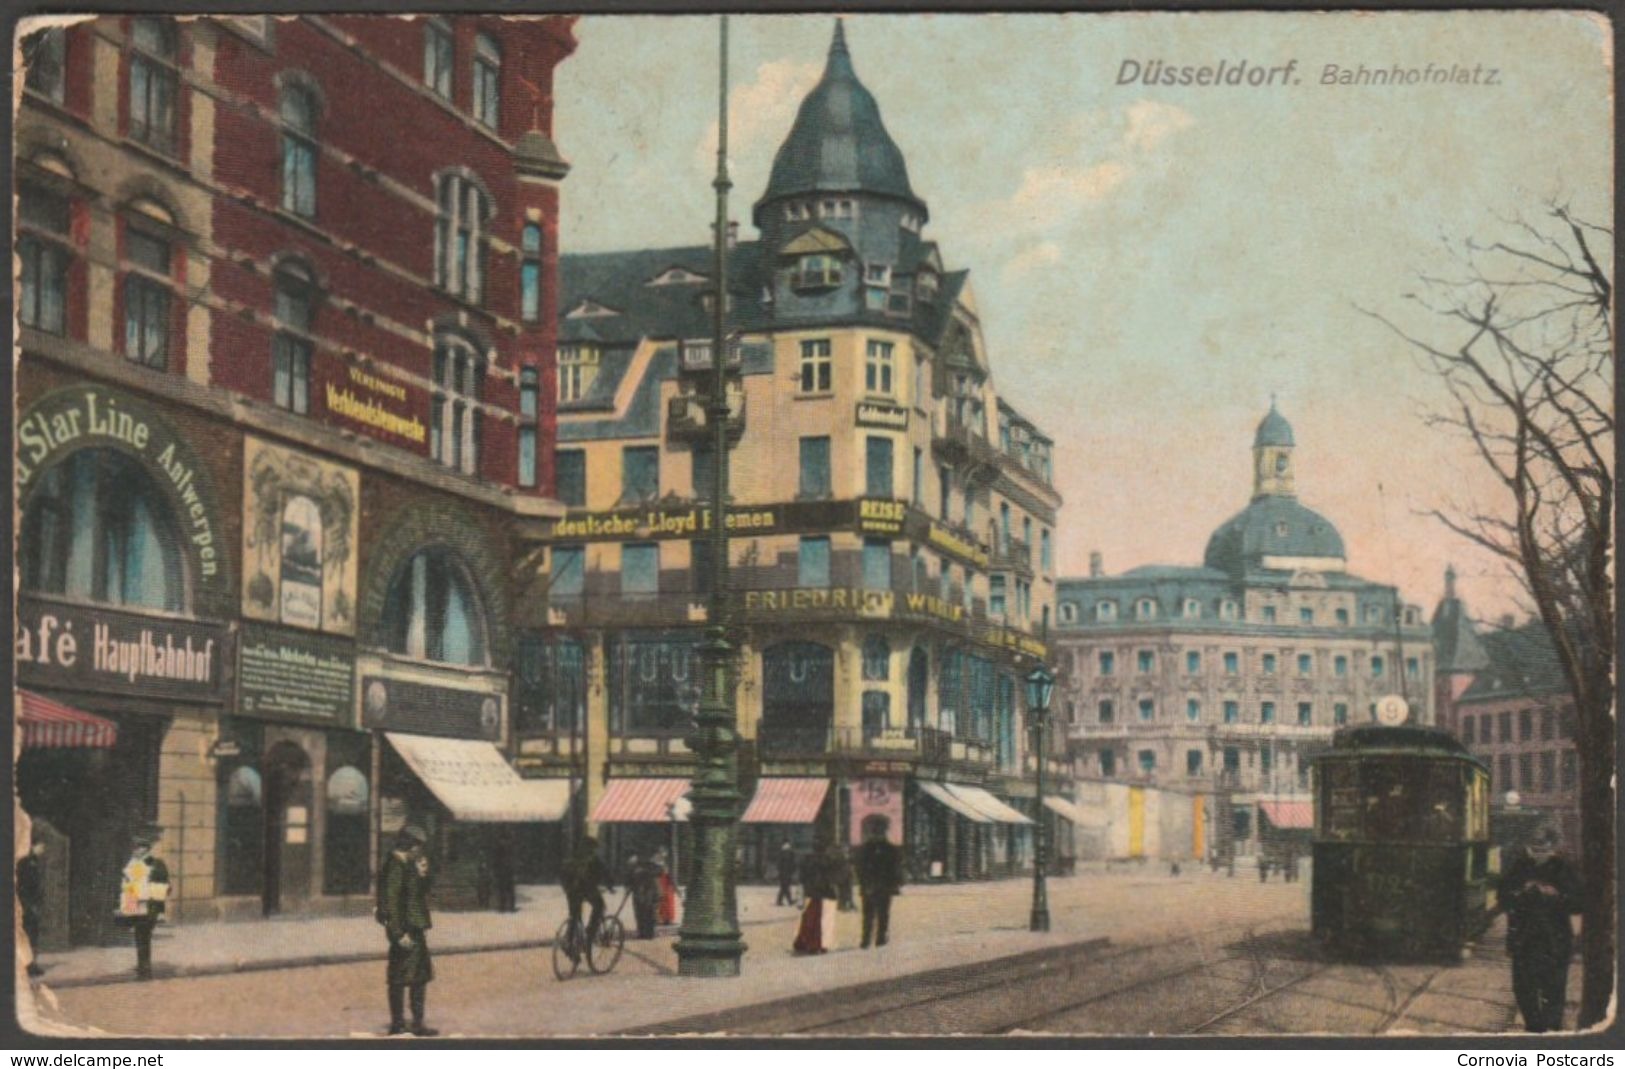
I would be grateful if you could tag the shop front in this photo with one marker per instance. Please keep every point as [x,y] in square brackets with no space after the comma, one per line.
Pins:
[120,622]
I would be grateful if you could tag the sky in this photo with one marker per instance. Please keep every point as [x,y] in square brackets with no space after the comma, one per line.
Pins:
[1153,263]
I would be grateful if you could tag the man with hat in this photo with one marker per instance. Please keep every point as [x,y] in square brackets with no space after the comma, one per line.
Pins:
[403,910]
[880,878]
[143,892]
[1539,891]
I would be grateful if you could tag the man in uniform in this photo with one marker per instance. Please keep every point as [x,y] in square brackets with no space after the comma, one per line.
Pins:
[403,910]
[787,875]
[143,892]
[1538,892]
[880,876]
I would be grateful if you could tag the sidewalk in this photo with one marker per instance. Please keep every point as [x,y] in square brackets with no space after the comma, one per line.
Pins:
[217,947]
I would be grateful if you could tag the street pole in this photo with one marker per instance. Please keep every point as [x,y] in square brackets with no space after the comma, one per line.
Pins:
[708,943]
[1040,686]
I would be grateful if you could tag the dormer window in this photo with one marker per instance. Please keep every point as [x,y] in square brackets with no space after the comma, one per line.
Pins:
[877,274]
[797,211]
[578,366]
[927,287]
[1105,610]
[1145,609]
[1193,609]
[816,271]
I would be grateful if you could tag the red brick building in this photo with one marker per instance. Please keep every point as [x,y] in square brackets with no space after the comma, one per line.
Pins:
[1501,691]
[285,425]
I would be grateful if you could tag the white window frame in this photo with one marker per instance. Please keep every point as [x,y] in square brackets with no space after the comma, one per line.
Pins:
[456,409]
[879,367]
[816,366]
[463,210]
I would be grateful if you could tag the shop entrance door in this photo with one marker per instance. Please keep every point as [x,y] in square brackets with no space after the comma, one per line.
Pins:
[288,830]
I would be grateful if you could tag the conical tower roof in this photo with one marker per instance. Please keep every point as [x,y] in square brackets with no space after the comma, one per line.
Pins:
[838,143]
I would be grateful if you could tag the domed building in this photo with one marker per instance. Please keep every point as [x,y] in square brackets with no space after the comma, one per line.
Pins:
[895,529]
[1204,691]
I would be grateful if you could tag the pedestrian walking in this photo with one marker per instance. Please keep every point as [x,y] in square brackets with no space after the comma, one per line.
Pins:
[880,878]
[643,879]
[1263,869]
[31,897]
[1539,892]
[403,910]
[816,933]
[843,879]
[584,875]
[502,870]
[787,875]
[143,892]
[669,906]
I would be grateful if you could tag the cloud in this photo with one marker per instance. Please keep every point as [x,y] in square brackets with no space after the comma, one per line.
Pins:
[1051,192]
[761,109]
[1032,258]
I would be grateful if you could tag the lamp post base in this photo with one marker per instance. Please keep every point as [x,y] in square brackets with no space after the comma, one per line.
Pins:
[709,956]
[1039,921]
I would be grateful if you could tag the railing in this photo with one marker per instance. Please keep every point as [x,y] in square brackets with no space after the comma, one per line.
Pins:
[928,745]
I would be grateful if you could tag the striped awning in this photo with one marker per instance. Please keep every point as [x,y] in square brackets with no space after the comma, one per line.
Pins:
[786,801]
[642,801]
[939,792]
[1066,809]
[50,724]
[471,778]
[1289,814]
[996,811]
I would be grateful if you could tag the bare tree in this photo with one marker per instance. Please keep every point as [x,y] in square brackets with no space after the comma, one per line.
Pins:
[1520,334]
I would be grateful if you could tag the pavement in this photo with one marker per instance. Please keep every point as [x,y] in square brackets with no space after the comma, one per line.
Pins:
[291,977]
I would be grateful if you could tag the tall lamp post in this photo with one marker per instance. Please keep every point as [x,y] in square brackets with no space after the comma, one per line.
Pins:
[1040,687]
[708,943]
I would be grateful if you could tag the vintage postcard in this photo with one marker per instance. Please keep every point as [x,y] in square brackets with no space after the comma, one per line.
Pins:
[567,525]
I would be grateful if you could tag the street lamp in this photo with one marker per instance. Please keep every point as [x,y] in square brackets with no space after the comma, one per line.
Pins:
[708,943]
[1040,686]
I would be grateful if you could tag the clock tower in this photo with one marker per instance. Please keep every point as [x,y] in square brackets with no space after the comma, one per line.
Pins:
[1272,457]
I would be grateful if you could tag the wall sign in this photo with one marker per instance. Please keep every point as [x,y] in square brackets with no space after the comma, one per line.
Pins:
[692,521]
[96,648]
[875,797]
[290,673]
[390,704]
[881,414]
[384,408]
[846,602]
[86,416]
[300,531]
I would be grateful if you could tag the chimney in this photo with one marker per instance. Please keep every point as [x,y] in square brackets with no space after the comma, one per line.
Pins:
[1096,566]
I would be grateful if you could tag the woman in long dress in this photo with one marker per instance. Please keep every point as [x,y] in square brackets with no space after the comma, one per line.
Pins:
[816,934]
[666,908]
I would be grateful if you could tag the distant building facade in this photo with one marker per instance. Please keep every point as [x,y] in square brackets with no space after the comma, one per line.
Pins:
[894,524]
[1225,679]
[284,423]
[1503,694]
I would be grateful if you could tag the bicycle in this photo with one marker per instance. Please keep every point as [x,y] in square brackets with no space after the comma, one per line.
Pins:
[602,951]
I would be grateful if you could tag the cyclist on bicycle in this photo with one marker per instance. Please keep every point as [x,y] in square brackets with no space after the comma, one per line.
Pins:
[584,874]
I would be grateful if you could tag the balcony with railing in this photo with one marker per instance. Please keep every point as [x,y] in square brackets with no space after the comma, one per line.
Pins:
[963,445]
[1012,554]
[927,745]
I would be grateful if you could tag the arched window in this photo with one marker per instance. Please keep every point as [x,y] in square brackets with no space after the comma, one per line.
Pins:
[530,273]
[655,682]
[1105,610]
[291,348]
[298,112]
[153,82]
[1145,609]
[876,658]
[455,420]
[487,80]
[460,236]
[98,528]
[432,611]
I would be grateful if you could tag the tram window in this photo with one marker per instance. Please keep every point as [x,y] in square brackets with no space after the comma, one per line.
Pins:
[1400,805]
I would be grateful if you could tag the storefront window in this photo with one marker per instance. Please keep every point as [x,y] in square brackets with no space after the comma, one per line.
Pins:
[349,797]
[798,700]
[552,691]
[97,528]
[432,612]
[655,683]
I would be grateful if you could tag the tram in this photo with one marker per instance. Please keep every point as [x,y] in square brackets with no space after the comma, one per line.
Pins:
[1401,844]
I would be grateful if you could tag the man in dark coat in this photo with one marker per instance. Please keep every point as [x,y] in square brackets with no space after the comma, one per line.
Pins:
[1539,891]
[643,878]
[31,897]
[583,875]
[880,877]
[502,872]
[403,910]
[787,875]
[143,893]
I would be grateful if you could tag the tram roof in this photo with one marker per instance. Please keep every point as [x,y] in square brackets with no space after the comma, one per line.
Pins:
[1365,738]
